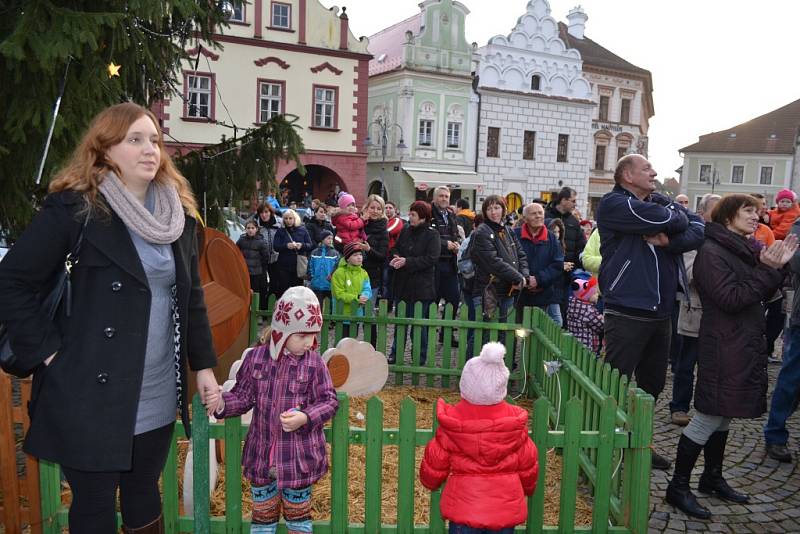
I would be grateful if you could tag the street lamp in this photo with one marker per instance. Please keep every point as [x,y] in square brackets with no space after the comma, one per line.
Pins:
[714,179]
[384,127]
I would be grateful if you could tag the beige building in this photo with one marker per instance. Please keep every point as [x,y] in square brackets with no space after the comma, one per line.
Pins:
[292,57]
[624,96]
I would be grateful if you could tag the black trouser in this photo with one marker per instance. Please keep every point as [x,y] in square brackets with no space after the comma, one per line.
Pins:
[258,283]
[94,494]
[640,349]
[775,321]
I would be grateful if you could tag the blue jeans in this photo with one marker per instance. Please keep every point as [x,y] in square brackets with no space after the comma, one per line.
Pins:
[455,528]
[424,337]
[786,389]
[554,312]
[683,381]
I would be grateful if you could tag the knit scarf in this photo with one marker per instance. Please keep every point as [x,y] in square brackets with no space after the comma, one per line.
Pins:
[162,227]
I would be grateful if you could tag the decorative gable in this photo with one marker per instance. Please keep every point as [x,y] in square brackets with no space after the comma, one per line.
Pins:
[533,48]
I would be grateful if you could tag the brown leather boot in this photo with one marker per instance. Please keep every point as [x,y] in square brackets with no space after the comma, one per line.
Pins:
[155,527]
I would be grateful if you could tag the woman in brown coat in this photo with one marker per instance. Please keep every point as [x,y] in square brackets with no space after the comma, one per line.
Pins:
[734,279]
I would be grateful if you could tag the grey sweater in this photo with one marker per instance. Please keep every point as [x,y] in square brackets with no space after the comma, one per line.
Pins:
[158,395]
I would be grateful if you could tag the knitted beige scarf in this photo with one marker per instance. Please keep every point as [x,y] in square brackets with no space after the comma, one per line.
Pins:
[162,227]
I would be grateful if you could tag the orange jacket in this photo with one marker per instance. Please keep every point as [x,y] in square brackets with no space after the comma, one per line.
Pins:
[781,221]
[764,235]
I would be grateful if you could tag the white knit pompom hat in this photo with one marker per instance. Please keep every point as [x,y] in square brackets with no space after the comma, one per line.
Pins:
[297,311]
[484,380]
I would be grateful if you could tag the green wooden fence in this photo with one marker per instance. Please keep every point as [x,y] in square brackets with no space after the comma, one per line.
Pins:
[599,423]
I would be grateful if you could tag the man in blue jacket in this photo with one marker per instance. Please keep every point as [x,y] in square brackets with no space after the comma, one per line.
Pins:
[642,238]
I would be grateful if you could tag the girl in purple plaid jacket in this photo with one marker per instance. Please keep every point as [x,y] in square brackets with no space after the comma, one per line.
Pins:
[287,385]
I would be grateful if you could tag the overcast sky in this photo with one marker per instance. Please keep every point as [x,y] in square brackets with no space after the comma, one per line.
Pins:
[715,63]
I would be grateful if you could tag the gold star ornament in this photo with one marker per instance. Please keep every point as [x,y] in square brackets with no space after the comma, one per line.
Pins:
[113,70]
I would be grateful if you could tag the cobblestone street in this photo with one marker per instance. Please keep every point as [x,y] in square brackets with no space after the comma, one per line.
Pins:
[774,488]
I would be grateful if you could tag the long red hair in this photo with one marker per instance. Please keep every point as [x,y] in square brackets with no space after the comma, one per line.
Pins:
[88,164]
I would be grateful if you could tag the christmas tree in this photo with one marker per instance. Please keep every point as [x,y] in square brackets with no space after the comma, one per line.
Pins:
[105,52]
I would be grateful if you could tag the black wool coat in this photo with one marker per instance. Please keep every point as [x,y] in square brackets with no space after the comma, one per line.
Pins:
[375,257]
[419,245]
[574,238]
[83,404]
[732,347]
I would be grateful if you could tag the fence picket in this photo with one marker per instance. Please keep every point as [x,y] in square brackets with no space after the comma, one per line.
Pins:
[416,345]
[200,474]
[340,449]
[605,466]
[400,335]
[373,486]
[541,420]
[406,466]
[169,481]
[447,349]
[233,484]
[569,466]
[381,319]
[430,354]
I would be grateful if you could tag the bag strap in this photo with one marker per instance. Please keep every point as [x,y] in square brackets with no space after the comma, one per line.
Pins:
[74,255]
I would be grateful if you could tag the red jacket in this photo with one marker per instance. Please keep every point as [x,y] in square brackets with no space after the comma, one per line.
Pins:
[489,461]
[394,227]
[349,227]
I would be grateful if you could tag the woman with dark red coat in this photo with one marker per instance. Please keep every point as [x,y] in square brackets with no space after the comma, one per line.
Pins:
[483,450]
[734,280]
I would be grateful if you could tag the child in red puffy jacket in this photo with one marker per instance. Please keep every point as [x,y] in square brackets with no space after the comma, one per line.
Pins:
[349,224]
[483,449]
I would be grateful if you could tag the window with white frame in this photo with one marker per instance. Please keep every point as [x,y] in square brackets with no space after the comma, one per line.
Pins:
[453,134]
[737,174]
[766,176]
[281,15]
[238,12]
[270,100]
[325,107]
[705,173]
[199,93]
[425,132]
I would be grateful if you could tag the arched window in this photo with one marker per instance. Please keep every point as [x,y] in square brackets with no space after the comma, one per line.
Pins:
[536,82]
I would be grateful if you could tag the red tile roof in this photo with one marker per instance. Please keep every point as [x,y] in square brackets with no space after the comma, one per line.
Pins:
[386,46]
[772,133]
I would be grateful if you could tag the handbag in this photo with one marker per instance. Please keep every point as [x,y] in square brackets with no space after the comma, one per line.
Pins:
[62,291]
[489,299]
[302,260]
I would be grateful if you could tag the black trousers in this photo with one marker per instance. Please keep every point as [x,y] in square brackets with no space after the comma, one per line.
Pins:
[94,494]
[639,349]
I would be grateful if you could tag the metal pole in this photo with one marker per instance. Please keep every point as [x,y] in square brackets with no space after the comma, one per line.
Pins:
[53,123]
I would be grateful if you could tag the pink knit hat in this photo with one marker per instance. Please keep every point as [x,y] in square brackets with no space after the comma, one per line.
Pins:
[484,380]
[296,312]
[785,194]
[345,200]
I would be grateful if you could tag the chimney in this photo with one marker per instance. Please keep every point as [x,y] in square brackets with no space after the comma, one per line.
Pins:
[344,27]
[577,22]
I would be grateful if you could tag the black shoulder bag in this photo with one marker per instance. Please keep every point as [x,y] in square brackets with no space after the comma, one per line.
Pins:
[62,291]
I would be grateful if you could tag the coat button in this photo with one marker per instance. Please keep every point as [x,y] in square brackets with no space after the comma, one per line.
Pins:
[109,331]
[102,378]
[116,286]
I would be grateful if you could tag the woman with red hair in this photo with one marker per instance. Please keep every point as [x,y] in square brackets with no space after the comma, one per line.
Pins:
[413,260]
[110,369]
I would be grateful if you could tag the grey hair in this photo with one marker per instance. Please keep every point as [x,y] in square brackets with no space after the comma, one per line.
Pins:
[525,210]
[708,197]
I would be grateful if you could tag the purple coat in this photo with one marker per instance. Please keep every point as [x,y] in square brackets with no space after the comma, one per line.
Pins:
[271,387]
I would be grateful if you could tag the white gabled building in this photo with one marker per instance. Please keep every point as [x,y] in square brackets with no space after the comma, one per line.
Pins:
[536,110]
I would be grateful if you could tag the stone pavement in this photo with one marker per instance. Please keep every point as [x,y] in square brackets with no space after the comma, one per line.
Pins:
[774,488]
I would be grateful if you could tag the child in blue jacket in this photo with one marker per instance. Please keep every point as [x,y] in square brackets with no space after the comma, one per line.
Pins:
[321,265]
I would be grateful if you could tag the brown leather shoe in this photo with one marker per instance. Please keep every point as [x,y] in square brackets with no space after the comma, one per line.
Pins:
[680,418]
[156,527]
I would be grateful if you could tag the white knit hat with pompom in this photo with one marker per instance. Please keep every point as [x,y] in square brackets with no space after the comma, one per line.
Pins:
[484,380]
